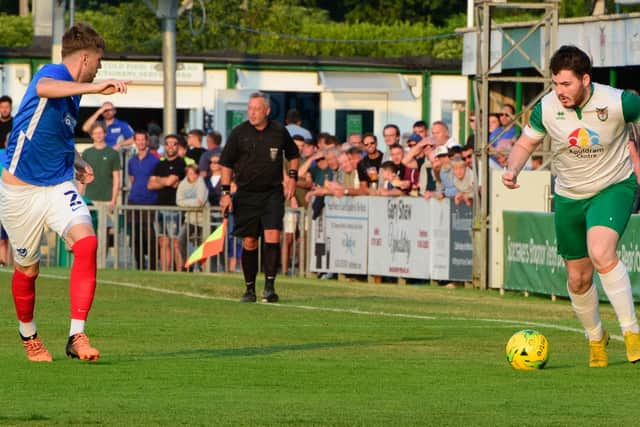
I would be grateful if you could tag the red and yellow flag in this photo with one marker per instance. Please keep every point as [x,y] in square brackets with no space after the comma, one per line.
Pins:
[212,246]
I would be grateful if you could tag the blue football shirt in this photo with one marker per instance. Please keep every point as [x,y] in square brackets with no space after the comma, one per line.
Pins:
[41,148]
[117,130]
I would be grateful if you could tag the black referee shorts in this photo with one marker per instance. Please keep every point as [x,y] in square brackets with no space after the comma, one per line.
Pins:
[255,212]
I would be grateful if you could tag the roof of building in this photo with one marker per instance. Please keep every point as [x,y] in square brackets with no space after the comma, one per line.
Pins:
[418,63]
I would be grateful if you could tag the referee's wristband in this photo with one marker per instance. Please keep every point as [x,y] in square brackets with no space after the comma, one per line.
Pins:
[293,173]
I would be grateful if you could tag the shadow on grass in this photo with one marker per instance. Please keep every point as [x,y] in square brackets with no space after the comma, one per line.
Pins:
[24,418]
[270,349]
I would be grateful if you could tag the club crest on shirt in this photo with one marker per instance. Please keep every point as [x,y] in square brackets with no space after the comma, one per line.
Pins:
[273,152]
[70,122]
[603,113]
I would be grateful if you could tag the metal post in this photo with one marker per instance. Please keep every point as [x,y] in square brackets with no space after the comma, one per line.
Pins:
[169,70]
[59,7]
[72,12]
[548,23]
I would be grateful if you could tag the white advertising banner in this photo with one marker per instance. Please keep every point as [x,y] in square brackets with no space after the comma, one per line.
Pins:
[346,234]
[440,232]
[399,237]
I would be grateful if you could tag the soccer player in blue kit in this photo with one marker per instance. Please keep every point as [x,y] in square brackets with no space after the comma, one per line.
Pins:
[37,187]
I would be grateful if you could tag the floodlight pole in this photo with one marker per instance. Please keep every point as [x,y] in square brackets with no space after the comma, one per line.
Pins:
[168,13]
[57,29]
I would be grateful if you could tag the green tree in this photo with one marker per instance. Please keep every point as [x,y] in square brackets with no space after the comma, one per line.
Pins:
[17,31]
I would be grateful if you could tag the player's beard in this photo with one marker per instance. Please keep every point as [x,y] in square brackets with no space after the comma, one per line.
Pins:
[580,98]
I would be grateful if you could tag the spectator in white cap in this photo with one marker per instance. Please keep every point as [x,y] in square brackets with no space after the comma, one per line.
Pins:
[446,175]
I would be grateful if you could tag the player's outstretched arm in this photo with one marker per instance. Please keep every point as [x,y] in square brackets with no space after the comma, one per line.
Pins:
[52,88]
[518,157]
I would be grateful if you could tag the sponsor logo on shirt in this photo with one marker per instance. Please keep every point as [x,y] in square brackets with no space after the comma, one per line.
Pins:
[585,143]
[560,115]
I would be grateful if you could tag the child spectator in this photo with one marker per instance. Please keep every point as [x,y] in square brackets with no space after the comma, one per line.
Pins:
[391,184]
[463,180]
[191,193]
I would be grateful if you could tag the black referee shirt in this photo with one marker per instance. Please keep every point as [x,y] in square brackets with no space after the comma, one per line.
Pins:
[256,156]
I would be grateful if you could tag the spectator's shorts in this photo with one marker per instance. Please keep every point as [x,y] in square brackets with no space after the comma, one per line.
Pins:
[609,208]
[168,224]
[255,212]
[290,222]
[26,209]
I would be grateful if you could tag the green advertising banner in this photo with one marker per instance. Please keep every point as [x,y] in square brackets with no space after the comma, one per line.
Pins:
[531,262]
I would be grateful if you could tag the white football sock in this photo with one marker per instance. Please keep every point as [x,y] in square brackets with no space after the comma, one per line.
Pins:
[77,326]
[617,286]
[586,308]
[27,329]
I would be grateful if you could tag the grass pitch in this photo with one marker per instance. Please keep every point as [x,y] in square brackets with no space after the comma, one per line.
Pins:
[177,349]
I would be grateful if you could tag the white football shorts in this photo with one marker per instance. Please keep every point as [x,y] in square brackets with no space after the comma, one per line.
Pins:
[26,209]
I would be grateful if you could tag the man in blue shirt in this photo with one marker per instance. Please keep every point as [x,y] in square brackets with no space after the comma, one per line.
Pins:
[119,133]
[143,236]
[37,186]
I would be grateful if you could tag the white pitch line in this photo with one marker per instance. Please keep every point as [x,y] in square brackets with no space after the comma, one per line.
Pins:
[333,310]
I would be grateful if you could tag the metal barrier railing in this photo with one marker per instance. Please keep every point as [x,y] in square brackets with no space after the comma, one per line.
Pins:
[162,237]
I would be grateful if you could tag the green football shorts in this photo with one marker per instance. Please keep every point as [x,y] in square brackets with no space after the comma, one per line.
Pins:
[610,208]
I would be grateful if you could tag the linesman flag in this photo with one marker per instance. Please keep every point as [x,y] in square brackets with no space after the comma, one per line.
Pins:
[212,246]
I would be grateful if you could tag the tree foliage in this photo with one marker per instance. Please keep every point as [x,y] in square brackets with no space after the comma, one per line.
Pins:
[17,31]
[287,27]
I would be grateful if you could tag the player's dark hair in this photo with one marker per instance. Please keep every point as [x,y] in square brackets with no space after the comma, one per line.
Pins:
[571,58]
[6,98]
[81,36]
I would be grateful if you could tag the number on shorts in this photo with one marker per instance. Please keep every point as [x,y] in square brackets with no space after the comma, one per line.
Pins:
[75,202]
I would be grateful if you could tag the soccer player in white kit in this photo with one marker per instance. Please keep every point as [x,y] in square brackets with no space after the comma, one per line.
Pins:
[37,187]
[595,190]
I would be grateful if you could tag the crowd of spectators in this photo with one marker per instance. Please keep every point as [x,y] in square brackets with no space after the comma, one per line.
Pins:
[182,170]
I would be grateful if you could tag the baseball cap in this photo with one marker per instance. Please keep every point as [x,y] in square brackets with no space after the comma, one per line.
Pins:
[310,141]
[414,137]
[452,143]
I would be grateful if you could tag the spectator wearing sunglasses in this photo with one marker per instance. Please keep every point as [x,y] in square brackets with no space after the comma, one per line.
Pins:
[507,115]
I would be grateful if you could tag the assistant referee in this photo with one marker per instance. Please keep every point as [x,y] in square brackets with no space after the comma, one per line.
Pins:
[253,155]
